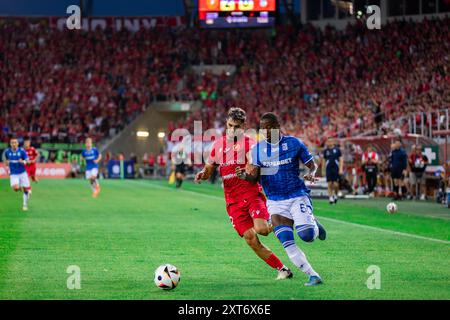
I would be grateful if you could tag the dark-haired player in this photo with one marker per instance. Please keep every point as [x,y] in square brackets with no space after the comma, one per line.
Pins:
[334,164]
[275,162]
[245,203]
[16,159]
[399,164]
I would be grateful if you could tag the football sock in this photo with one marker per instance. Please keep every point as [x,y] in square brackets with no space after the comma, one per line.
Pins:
[92,186]
[286,236]
[274,262]
[25,198]
[299,259]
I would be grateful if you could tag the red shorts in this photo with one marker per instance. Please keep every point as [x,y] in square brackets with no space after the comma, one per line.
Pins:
[31,170]
[243,212]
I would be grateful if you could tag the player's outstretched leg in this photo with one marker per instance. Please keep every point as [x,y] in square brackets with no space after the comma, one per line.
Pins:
[95,186]
[266,254]
[26,197]
[285,234]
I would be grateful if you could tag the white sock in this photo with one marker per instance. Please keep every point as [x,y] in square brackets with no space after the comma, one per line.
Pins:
[25,199]
[299,259]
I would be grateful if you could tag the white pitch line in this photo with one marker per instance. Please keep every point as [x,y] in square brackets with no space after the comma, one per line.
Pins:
[384,230]
[322,218]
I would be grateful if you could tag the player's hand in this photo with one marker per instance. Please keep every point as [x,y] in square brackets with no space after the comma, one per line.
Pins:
[240,172]
[311,178]
[199,177]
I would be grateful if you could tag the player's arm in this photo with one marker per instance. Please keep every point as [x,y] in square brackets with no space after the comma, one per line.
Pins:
[36,156]
[24,158]
[251,173]
[210,165]
[206,172]
[6,162]
[323,162]
[308,160]
[311,175]
[99,158]
[341,165]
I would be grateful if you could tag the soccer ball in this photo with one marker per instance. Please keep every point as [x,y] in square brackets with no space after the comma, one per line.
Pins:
[391,208]
[167,276]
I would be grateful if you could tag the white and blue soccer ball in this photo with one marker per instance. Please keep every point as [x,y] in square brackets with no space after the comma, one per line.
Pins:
[167,276]
[391,208]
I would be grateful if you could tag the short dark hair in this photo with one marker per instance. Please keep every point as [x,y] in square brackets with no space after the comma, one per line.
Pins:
[271,117]
[237,114]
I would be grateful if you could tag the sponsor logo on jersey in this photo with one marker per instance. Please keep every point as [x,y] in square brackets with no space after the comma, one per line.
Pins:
[229,176]
[276,163]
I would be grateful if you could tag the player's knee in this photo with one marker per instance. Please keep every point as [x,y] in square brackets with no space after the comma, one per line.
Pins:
[16,188]
[252,240]
[262,230]
[307,234]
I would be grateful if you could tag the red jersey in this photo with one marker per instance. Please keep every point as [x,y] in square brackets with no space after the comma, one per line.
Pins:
[228,156]
[32,154]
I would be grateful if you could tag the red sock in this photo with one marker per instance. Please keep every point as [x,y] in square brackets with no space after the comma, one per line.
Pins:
[274,262]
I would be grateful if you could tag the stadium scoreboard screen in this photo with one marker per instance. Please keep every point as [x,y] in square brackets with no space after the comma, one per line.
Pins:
[236,13]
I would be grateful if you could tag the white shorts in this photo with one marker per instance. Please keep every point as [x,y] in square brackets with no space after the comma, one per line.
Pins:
[20,180]
[299,209]
[91,173]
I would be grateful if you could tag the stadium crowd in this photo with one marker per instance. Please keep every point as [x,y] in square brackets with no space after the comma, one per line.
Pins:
[334,83]
[60,86]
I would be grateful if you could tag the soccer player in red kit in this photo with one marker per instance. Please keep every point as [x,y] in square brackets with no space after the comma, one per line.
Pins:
[32,155]
[245,202]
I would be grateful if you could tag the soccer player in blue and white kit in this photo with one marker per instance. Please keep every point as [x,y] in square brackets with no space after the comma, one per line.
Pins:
[92,157]
[16,159]
[275,162]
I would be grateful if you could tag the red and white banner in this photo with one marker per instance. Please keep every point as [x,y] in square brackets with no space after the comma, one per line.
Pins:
[44,171]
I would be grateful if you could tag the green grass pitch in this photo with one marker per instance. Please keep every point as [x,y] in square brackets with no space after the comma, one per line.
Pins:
[120,238]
